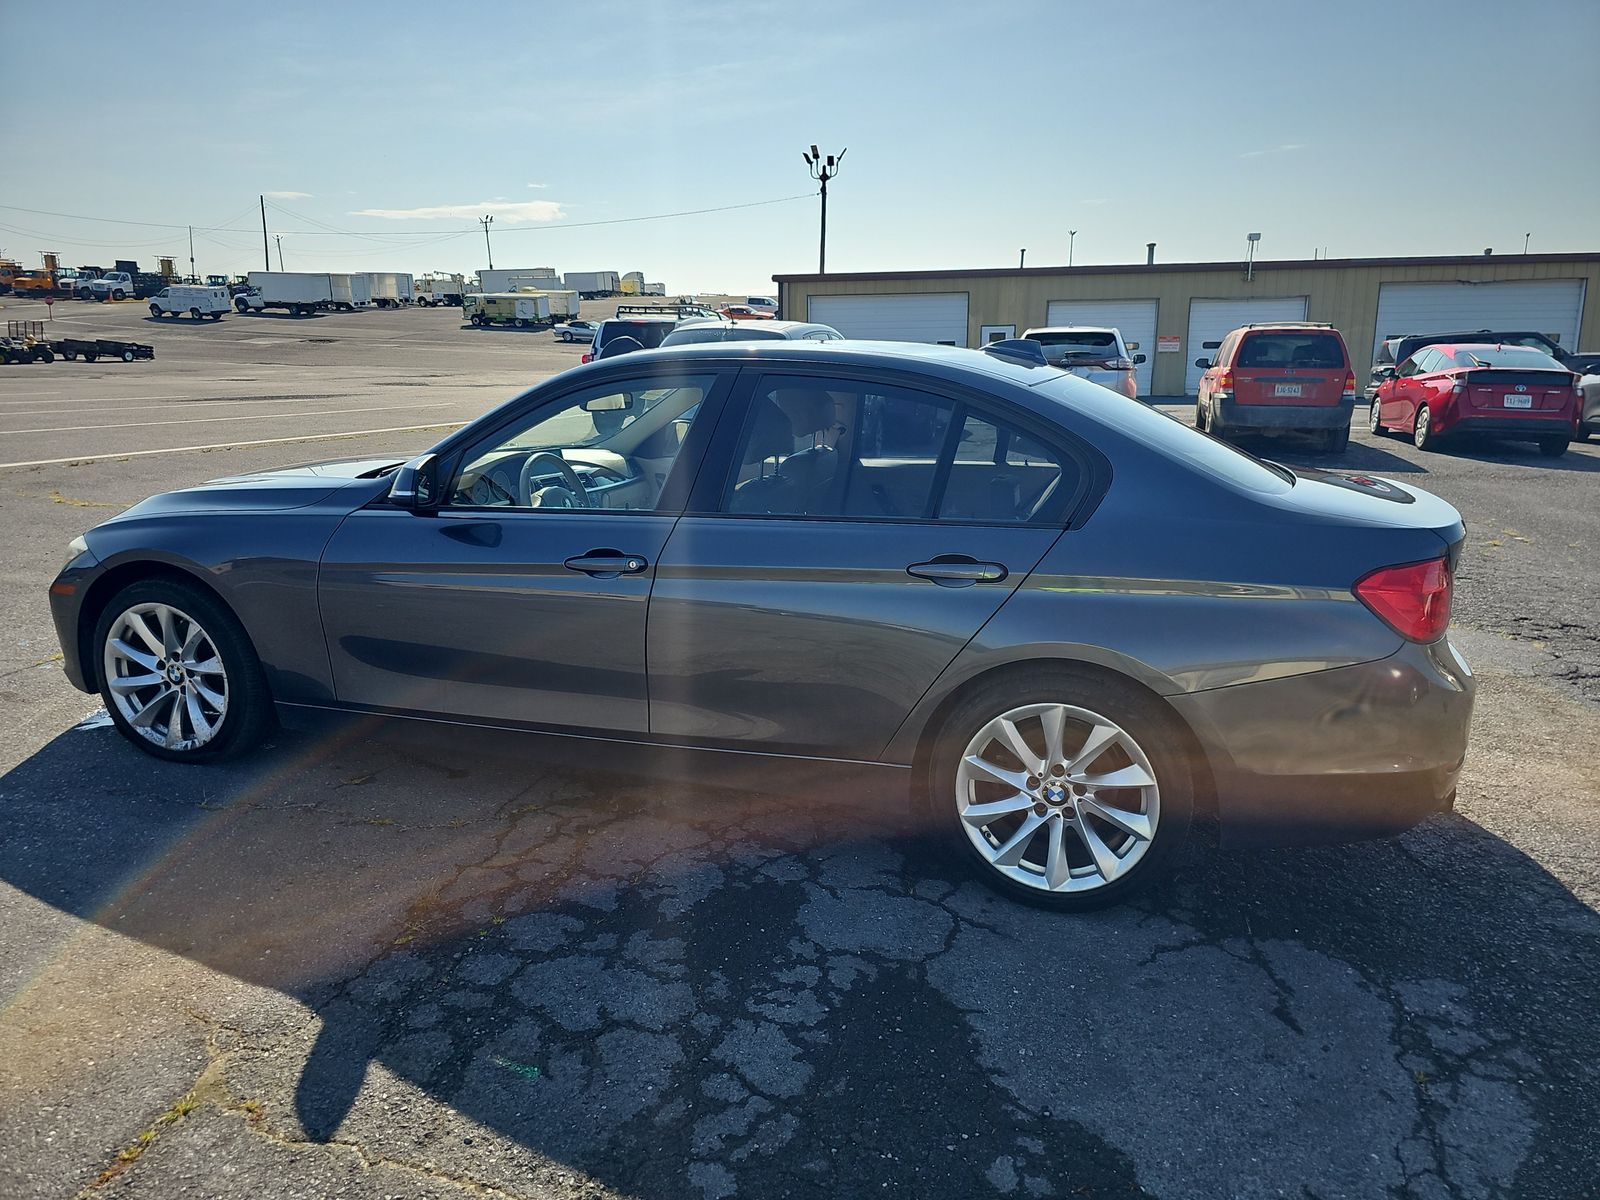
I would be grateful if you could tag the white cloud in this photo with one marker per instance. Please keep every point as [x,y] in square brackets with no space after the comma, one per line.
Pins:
[510,211]
[1286,148]
[288,195]
[541,186]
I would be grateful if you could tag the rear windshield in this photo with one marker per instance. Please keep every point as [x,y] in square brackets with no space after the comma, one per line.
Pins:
[716,333]
[1083,339]
[648,333]
[1170,436]
[1523,358]
[1314,350]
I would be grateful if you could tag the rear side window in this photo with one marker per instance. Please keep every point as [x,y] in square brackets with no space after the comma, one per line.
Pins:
[841,448]
[1313,351]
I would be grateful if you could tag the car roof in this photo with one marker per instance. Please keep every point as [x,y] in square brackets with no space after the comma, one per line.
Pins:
[1073,329]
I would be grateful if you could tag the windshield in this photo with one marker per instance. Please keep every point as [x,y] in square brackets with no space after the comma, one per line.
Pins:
[648,334]
[1521,357]
[1273,350]
[736,333]
[1076,341]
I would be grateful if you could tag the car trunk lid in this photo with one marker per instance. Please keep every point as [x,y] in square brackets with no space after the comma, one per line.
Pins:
[1508,393]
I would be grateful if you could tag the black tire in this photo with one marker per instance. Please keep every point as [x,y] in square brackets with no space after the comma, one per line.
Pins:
[119,294]
[1336,441]
[1422,435]
[1553,447]
[249,715]
[1154,729]
[216,316]
[240,307]
[70,355]
[520,323]
[127,356]
[567,336]
[88,357]
[155,311]
[195,313]
[43,356]
[1375,424]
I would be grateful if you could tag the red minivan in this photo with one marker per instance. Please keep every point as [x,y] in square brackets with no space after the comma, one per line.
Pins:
[1289,376]
[1514,391]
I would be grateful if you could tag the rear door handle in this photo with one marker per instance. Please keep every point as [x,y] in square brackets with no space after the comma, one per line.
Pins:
[607,564]
[957,570]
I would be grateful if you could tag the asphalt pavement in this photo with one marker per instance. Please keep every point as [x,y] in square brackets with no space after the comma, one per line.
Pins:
[391,964]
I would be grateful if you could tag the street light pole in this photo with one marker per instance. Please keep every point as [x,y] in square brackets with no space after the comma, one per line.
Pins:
[266,255]
[1072,237]
[486,222]
[192,275]
[823,169]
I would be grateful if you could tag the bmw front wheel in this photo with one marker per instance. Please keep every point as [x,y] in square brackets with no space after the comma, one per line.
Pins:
[178,674]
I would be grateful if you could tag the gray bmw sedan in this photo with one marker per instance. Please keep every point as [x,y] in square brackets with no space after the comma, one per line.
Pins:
[1067,624]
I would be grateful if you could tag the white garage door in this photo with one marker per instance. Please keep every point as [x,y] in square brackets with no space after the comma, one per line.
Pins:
[1134,319]
[1213,320]
[930,317]
[1552,306]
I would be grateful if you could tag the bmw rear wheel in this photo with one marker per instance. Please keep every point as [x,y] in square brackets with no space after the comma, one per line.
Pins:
[178,675]
[1064,789]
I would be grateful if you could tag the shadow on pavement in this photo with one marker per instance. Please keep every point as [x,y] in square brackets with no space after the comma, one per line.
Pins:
[690,992]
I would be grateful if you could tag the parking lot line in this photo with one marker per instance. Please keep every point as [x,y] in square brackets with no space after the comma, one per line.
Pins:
[326,412]
[309,437]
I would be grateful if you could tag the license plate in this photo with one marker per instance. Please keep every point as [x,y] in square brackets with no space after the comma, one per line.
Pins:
[1286,389]
[1519,401]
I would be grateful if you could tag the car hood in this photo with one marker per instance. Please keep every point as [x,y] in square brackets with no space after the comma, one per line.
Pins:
[274,491]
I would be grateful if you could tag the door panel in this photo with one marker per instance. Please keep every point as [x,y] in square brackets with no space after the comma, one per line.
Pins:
[475,614]
[810,635]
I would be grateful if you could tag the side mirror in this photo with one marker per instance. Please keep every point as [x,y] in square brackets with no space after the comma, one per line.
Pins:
[1203,363]
[415,485]
[1383,372]
[1138,358]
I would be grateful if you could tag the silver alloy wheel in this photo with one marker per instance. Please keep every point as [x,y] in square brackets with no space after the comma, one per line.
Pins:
[1422,428]
[1057,798]
[166,676]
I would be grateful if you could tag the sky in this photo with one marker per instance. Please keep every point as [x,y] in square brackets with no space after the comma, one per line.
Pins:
[380,132]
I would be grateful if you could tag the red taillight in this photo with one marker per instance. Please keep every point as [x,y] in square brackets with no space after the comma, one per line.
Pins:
[1412,599]
[588,358]
[1225,382]
[1350,383]
[1120,364]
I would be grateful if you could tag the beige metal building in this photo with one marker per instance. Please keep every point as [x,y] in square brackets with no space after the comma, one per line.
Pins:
[1172,309]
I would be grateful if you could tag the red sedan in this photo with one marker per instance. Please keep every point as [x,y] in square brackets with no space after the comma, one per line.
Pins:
[743,312]
[1509,391]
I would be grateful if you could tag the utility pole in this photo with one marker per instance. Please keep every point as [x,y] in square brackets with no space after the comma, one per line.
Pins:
[278,237]
[1525,239]
[192,275]
[266,254]
[823,169]
[1072,238]
[1023,258]
[486,222]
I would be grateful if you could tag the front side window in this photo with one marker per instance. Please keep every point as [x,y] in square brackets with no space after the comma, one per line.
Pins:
[848,449]
[609,447]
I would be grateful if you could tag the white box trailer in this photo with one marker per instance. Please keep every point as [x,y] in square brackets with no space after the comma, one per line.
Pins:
[389,289]
[593,285]
[509,279]
[299,292]
[517,309]
[563,304]
[350,292]
[653,289]
[433,290]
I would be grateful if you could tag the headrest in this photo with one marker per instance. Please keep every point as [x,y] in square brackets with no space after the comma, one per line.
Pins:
[771,434]
[809,410]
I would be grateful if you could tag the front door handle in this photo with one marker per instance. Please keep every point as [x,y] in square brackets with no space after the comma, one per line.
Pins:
[957,570]
[607,564]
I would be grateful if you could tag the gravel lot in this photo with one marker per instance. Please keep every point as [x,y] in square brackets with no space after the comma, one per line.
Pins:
[387,964]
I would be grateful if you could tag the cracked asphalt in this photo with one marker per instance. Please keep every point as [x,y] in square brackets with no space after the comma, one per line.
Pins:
[387,963]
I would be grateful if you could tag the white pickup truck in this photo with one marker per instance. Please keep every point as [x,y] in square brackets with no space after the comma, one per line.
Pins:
[113,285]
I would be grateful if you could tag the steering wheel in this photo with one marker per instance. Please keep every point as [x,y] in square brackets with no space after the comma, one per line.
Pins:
[569,477]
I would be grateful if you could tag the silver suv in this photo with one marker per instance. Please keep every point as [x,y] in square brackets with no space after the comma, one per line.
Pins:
[1095,353]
